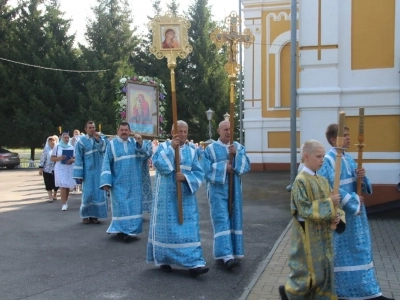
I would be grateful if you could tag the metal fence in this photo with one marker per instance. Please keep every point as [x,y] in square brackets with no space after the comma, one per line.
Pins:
[28,165]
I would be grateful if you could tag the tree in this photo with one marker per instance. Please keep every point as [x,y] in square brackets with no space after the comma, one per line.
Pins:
[41,98]
[7,17]
[111,42]
[203,78]
[146,64]
[201,81]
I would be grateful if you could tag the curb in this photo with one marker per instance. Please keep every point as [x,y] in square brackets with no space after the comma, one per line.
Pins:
[261,268]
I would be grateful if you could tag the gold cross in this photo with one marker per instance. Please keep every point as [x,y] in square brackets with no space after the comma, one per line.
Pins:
[319,47]
[232,38]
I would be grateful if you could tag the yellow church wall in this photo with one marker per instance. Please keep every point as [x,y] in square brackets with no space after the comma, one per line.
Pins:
[276,28]
[372,31]
[381,133]
[281,139]
[345,75]
[285,76]
[269,5]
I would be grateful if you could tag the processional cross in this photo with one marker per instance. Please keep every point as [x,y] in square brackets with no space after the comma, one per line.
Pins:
[232,38]
[163,28]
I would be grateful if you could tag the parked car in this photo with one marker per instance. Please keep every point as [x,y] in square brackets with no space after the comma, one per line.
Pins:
[9,159]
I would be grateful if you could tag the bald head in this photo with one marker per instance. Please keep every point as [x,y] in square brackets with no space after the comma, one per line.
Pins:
[179,123]
[224,123]
[224,130]
[182,131]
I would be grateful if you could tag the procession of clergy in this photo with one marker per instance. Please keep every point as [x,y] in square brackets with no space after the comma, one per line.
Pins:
[324,264]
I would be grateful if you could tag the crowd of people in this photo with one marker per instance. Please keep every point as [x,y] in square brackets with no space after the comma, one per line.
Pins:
[331,253]
[115,172]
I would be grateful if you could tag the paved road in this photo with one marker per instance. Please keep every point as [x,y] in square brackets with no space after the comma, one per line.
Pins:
[49,254]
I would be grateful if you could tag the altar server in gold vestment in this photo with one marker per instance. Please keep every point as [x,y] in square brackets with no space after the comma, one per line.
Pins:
[311,251]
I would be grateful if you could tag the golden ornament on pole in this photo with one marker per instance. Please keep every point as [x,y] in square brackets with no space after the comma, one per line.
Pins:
[171,40]
[360,146]
[232,39]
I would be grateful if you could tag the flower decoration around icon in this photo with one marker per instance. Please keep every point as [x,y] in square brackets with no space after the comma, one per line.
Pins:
[147,80]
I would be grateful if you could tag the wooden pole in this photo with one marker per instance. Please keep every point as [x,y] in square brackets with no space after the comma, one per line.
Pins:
[232,38]
[338,162]
[232,79]
[158,26]
[172,66]
[360,146]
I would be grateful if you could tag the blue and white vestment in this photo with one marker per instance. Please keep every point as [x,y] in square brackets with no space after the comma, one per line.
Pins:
[122,171]
[354,268]
[228,237]
[146,181]
[89,155]
[171,243]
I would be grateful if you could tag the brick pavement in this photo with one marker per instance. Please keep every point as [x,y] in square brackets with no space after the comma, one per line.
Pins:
[385,231]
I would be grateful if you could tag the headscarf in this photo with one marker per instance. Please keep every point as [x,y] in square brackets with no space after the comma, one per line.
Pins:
[47,144]
[61,143]
[48,148]
[56,138]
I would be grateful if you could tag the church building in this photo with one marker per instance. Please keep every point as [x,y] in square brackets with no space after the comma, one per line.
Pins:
[348,57]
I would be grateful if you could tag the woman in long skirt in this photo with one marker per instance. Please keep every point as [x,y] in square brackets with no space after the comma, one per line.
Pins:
[64,157]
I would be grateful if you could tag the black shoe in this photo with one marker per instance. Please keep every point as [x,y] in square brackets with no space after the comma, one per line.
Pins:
[229,264]
[382,298]
[282,292]
[198,271]
[166,268]
[94,220]
[125,237]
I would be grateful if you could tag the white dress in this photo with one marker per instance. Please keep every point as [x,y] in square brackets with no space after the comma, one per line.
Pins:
[63,173]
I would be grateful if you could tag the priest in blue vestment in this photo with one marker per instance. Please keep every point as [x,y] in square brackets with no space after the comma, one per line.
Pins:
[355,276]
[89,153]
[121,175]
[228,236]
[146,180]
[171,243]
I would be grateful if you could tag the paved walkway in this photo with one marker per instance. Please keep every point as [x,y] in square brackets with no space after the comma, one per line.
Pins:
[385,230]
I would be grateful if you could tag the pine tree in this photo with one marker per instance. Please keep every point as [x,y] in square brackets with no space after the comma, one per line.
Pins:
[42,98]
[111,41]
[146,64]
[7,113]
[203,78]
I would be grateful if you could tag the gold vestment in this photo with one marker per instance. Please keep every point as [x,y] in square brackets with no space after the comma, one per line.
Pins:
[311,252]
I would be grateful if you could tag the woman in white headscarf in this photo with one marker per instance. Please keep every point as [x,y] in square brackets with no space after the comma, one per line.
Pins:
[64,157]
[46,169]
